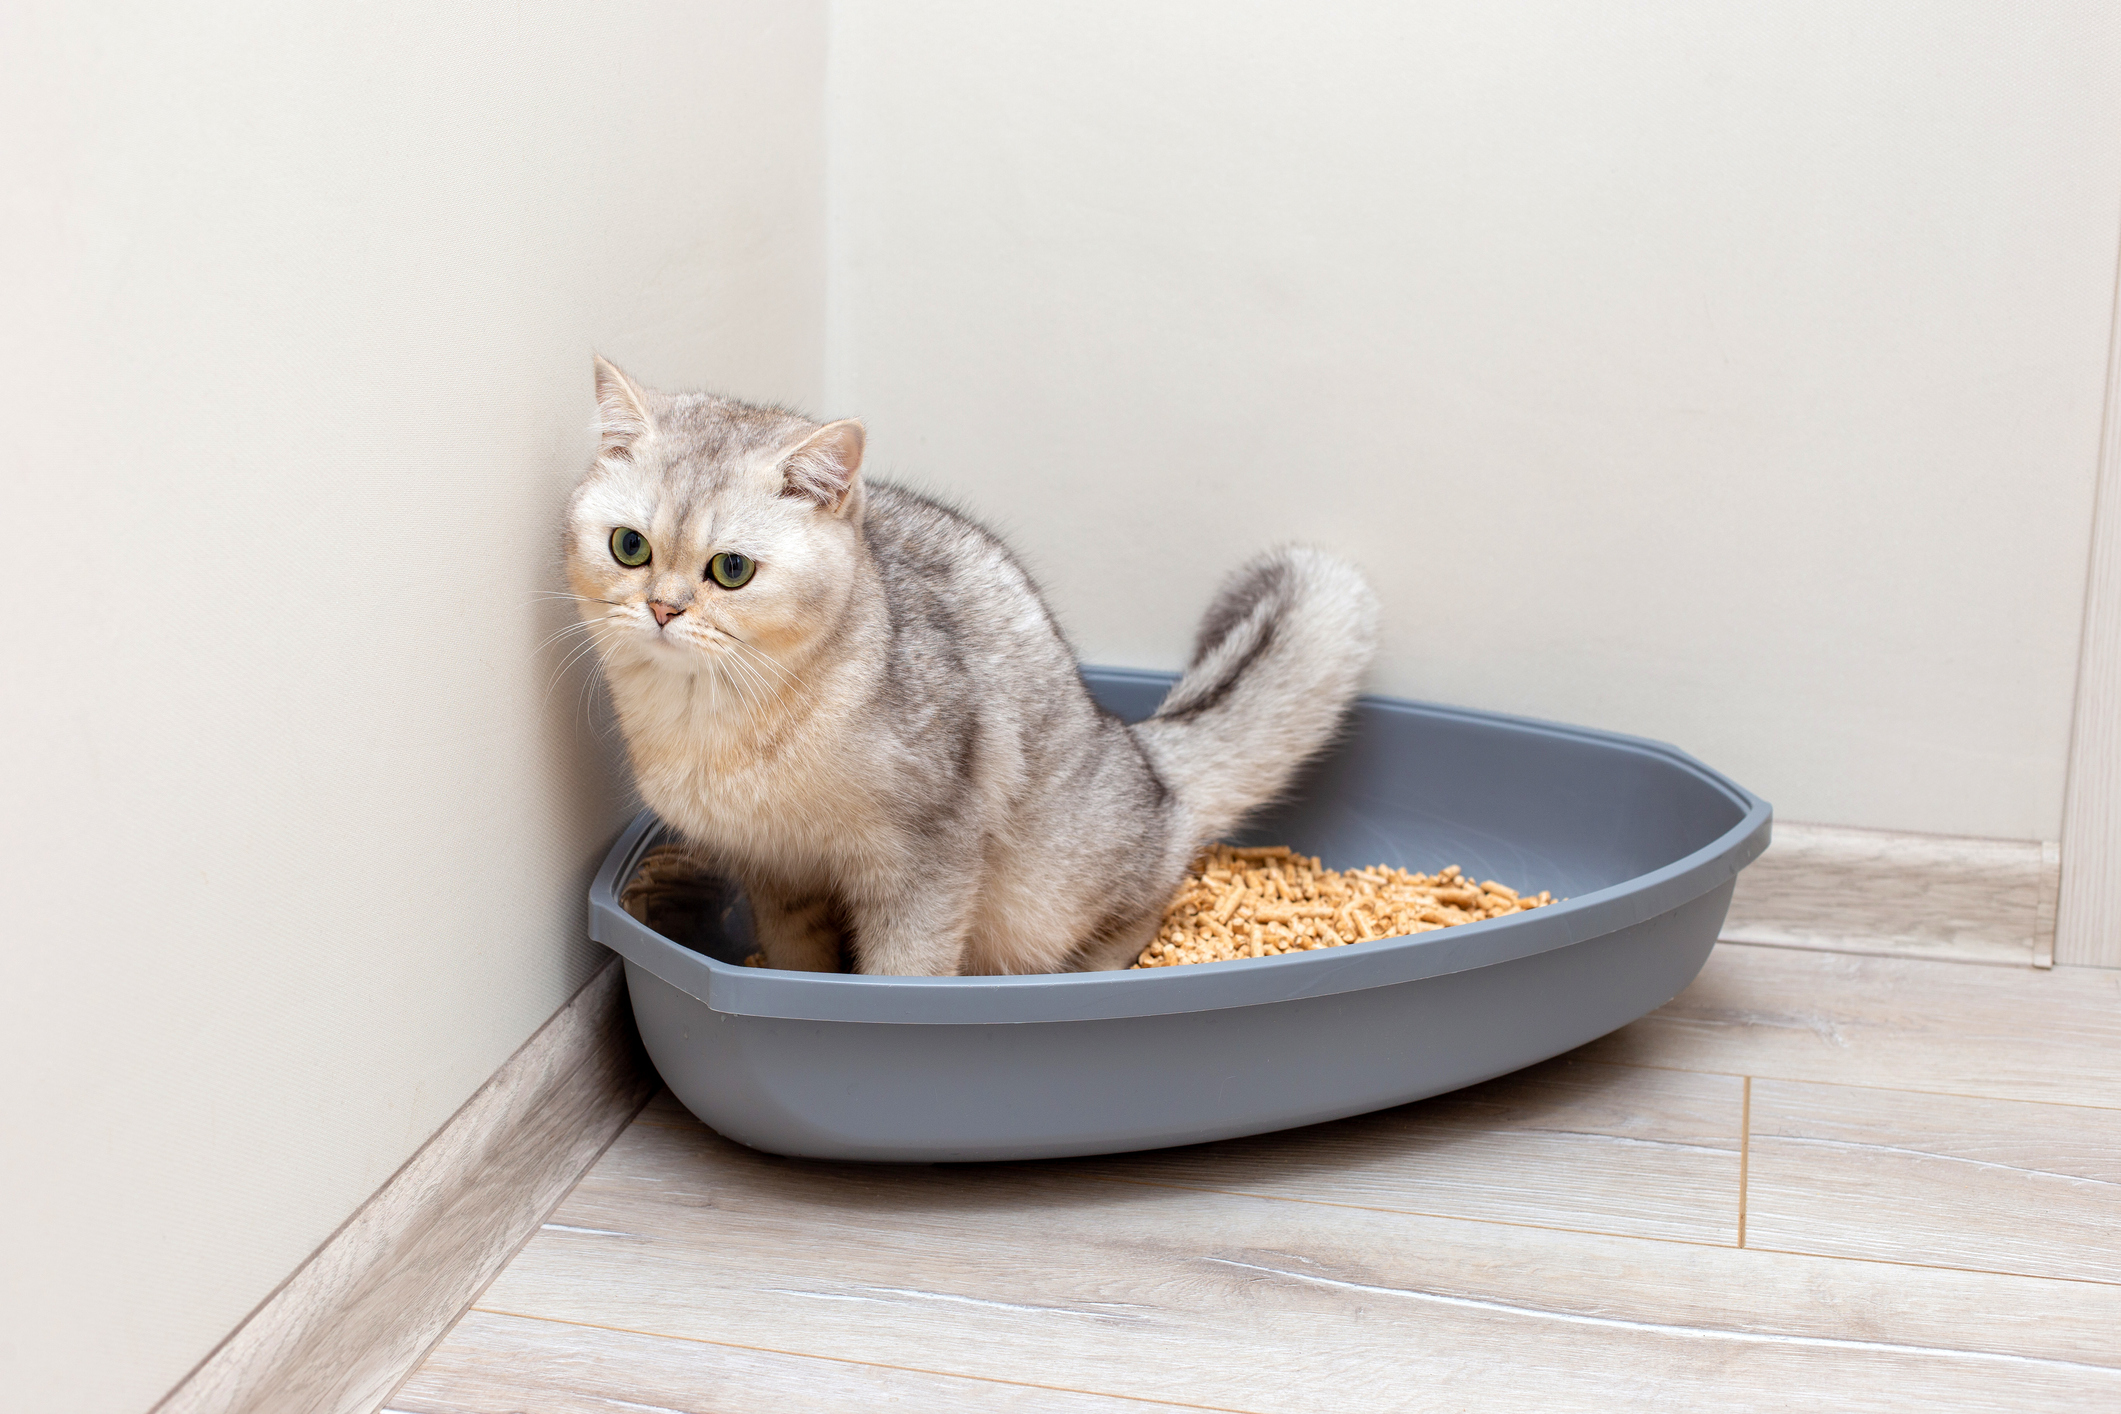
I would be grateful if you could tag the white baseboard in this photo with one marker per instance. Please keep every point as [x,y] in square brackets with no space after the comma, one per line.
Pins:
[343,1331]
[1902,895]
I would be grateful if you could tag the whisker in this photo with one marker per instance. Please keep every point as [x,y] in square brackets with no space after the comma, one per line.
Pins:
[765,684]
[580,626]
[763,662]
[586,646]
[586,703]
[559,676]
[740,685]
[742,661]
[573,597]
[760,656]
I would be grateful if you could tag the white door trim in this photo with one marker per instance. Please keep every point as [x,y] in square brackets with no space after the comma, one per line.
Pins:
[2088,925]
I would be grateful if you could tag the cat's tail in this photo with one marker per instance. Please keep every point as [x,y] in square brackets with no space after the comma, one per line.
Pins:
[1279,658]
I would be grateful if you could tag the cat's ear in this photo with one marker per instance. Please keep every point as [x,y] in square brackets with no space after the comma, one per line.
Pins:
[622,411]
[822,467]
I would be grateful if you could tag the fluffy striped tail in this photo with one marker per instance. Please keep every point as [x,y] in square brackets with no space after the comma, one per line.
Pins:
[1279,658]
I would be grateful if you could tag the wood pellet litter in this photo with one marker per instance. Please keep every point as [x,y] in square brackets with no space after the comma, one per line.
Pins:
[1266,902]
[1234,903]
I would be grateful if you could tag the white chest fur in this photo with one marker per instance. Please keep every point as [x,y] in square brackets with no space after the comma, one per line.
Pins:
[768,783]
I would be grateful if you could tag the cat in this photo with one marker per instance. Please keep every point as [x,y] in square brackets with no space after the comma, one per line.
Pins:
[853,700]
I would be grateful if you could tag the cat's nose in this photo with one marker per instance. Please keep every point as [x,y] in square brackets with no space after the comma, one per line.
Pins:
[664,613]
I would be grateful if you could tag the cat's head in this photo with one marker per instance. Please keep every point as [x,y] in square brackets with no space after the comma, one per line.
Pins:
[709,530]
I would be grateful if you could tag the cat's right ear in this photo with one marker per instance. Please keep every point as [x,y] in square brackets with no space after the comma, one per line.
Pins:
[823,466]
[622,412]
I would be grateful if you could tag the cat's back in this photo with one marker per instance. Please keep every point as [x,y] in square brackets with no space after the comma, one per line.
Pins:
[952,584]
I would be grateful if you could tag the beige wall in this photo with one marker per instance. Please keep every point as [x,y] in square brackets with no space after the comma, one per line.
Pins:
[296,322]
[1729,374]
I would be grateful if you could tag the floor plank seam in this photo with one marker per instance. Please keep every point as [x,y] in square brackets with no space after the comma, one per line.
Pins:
[2013,1099]
[1413,1213]
[1745,1151]
[1682,1331]
[1609,1235]
[1937,1267]
[869,1364]
[1866,1146]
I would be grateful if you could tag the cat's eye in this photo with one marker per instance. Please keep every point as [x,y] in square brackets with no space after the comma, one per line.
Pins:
[629,547]
[731,570]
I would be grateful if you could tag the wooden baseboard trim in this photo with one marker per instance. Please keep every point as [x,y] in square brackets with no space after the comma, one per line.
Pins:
[1900,895]
[349,1325]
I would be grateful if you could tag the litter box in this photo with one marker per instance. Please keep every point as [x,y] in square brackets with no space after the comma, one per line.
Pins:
[1640,842]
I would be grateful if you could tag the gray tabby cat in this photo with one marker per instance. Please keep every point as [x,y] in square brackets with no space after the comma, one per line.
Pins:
[854,701]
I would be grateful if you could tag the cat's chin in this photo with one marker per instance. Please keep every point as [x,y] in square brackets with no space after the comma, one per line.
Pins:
[666,654]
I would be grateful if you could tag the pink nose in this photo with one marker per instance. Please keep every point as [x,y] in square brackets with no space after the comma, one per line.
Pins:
[664,613]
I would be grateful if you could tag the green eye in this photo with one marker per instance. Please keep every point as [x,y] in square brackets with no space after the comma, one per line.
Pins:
[731,570]
[629,547]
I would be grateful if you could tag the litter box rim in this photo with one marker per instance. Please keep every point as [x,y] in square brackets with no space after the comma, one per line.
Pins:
[1101,996]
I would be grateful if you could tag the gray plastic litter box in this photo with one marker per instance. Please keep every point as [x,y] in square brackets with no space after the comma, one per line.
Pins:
[1641,841]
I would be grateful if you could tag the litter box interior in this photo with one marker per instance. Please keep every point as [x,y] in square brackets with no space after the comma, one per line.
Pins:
[1413,788]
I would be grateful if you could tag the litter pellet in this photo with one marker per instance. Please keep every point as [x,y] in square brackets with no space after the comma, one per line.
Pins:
[1234,903]
[1270,901]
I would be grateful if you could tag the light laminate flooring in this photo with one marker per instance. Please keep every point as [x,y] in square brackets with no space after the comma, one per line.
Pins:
[1812,1181]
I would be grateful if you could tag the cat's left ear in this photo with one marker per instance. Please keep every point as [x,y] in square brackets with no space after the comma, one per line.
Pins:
[824,465]
[622,411]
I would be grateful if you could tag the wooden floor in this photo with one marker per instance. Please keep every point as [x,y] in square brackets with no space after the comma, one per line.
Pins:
[1813,1181]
